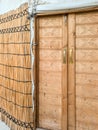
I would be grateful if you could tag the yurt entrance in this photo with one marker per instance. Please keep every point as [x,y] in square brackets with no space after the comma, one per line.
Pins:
[67,70]
[52,72]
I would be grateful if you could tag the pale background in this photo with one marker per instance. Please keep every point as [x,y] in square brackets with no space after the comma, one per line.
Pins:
[6,5]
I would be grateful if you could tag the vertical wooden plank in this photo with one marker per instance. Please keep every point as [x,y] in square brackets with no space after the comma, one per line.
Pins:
[64,75]
[37,72]
[71,72]
[35,48]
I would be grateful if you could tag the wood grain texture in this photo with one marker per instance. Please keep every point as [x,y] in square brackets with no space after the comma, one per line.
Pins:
[89,79]
[87,30]
[71,73]
[87,43]
[87,18]
[87,55]
[86,71]
[50,32]
[52,87]
[50,21]
[64,120]
[50,55]
[52,43]
[87,67]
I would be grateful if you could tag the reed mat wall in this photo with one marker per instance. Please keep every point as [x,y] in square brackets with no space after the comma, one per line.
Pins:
[15,69]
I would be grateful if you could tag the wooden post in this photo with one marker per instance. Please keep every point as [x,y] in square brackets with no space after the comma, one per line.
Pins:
[71,73]
[64,75]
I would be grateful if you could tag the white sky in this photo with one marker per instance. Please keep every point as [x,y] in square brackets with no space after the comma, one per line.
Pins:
[6,5]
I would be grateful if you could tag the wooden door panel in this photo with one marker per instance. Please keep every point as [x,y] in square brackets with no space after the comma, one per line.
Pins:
[52,85]
[50,55]
[48,79]
[87,71]
[87,30]
[87,79]
[50,22]
[87,43]
[87,55]
[87,18]
[50,32]
[54,43]
[54,66]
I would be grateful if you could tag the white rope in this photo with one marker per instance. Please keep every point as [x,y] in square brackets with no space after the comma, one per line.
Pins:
[31,9]
[32,58]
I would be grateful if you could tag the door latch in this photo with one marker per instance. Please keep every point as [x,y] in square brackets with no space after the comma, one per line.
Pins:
[64,55]
[71,56]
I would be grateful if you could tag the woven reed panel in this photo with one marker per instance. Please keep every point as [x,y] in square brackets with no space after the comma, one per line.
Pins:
[15,70]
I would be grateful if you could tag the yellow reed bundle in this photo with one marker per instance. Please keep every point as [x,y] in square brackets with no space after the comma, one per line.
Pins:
[15,70]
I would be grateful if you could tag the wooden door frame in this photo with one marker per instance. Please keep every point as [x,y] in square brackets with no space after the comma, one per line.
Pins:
[36,68]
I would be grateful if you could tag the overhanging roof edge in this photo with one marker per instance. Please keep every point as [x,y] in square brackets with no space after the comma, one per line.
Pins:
[66,6]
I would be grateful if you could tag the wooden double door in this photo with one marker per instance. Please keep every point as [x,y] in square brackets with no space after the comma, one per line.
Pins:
[67,72]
